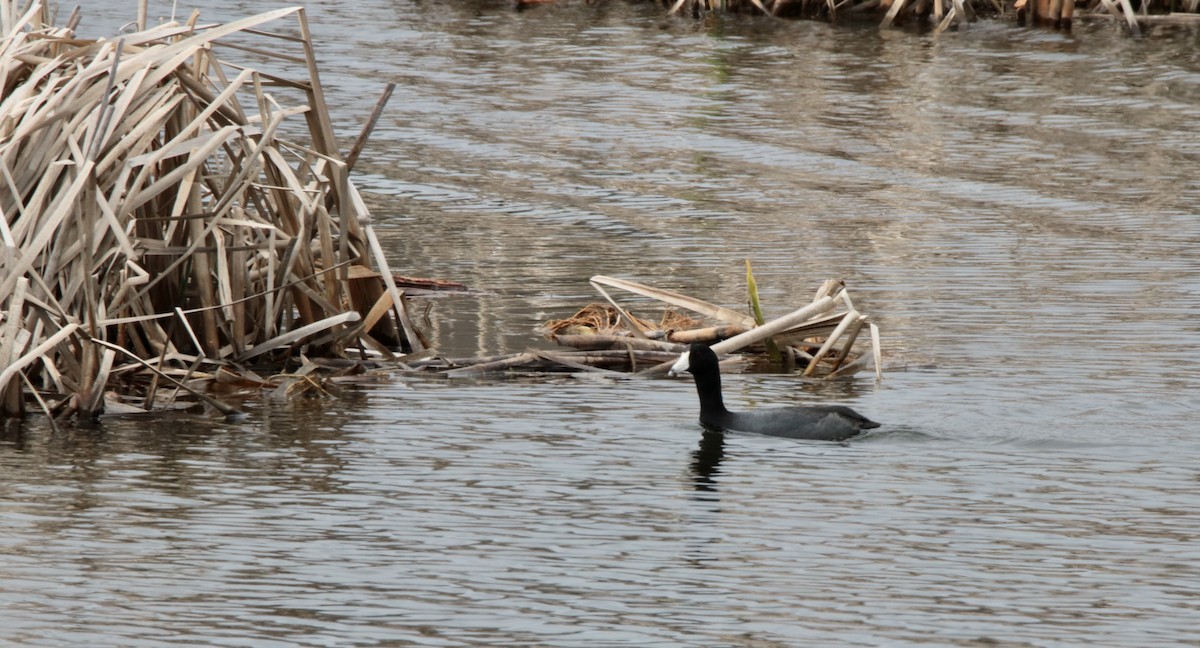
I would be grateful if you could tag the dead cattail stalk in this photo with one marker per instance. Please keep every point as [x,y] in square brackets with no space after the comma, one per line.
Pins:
[845,324]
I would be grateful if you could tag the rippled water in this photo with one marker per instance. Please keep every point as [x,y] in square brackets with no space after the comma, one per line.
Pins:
[1016,208]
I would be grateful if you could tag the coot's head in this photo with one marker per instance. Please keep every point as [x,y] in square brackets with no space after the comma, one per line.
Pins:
[697,359]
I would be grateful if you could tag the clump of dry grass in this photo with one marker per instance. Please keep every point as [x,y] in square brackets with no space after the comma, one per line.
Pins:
[602,319]
[160,220]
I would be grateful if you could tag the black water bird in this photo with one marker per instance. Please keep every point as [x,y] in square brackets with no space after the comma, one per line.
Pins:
[820,422]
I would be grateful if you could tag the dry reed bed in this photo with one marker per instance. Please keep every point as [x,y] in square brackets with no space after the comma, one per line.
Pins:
[158,225]
[944,14]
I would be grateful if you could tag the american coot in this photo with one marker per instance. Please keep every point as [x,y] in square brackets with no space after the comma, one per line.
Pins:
[822,422]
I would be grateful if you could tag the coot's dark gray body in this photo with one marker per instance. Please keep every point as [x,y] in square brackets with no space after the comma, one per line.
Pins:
[821,422]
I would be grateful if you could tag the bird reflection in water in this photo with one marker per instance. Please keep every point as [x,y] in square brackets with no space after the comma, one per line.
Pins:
[706,460]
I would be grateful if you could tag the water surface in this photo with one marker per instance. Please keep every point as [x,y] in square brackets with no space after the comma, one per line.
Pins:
[1017,209]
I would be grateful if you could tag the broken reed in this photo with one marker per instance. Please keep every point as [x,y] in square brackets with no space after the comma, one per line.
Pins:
[158,223]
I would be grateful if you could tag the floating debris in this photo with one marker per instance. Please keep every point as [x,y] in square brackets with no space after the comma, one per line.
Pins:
[817,339]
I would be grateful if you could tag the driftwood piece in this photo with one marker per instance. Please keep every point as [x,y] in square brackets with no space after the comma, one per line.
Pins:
[495,365]
[571,363]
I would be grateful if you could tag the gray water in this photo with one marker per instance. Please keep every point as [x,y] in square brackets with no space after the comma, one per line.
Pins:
[1017,209]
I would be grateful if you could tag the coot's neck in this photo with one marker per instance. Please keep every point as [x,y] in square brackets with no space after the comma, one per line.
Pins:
[708,387]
